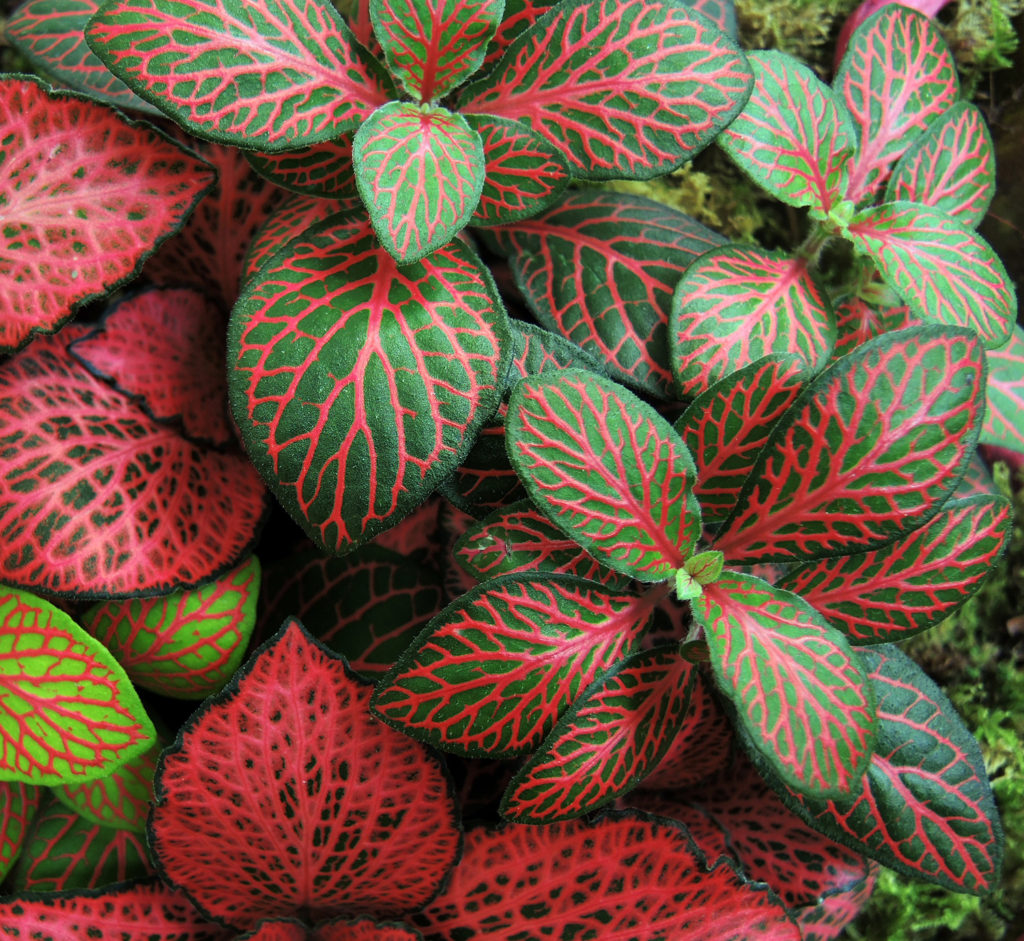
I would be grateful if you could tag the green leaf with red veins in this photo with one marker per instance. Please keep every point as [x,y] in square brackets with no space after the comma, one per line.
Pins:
[86,196]
[790,138]
[120,800]
[738,304]
[144,909]
[50,34]
[798,689]
[68,711]
[1004,404]
[18,805]
[519,538]
[725,428]
[721,12]
[606,743]
[926,808]
[839,474]
[622,876]
[599,268]
[607,469]
[420,172]
[897,75]
[858,321]
[493,672]
[942,269]
[274,75]
[913,583]
[516,17]
[323,170]
[359,385]
[524,173]
[433,46]
[624,88]
[186,645]
[951,166]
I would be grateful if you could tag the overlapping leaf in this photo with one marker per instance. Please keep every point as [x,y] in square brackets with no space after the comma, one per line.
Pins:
[290,753]
[841,475]
[86,195]
[270,76]
[517,16]
[494,671]
[859,320]
[913,583]
[18,805]
[321,170]
[940,267]
[358,384]
[1004,404]
[607,469]
[721,12]
[790,137]
[798,689]
[335,929]
[623,89]
[737,304]
[120,799]
[606,743]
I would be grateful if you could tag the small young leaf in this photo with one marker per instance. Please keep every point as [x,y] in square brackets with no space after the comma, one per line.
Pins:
[19,803]
[1004,403]
[607,469]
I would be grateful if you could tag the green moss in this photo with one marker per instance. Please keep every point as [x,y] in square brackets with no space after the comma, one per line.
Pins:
[803,28]
[982,38]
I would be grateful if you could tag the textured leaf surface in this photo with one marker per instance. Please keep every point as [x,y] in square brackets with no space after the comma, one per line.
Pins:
[67,710]
[321,170]
[840,475]
[951,166]
[517,16]
[798,689]
[940,268]
[359,385]
[291,753]
[1004,403]
[18,805]
[725,428]
[735,305]
[790,137]
[120,799]
[599,268]
[624,89]
[607,469]
[601,748]
[640,879]
[897,75]
[50,33]
[113,506]
[337,929]
[499,665]
[913,583]
[165,347]
[271,76]
[926,808]
[721,12]
[859,320]
[149,908]
[287,221]
[186,645]
[86,196]
[420,172]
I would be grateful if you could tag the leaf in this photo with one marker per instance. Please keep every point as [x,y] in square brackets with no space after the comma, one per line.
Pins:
[420,173]
[897,75]
[290,753]
[640,878]
[606,743]
[524,174]
[337,929]
[798,690]
[186,645]
[951,166]
[67,710]
[859,320]
[628,89]
[941,268]
[50,34]
[274,75]
[737,304]
[721,12]
[492,673]
[165,348]
[599,268]
[840,474]
[517,16]
[790,138]
[86,195]
[18,805]
[98,500]
[1004,403]
[725,427]
[433,46]
[143,908]
[913,583]
[926,808]
[607,469]
[358,385]
[323,170]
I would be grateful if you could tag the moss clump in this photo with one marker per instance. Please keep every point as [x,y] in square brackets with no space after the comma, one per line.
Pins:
[982,38]
[804,28]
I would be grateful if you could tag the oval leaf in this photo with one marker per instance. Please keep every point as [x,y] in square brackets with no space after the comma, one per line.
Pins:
[321,170]
[1004,403]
